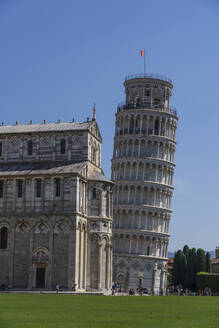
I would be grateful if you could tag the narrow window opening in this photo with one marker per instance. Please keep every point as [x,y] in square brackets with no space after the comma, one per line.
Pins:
[131,126]
[38,188]
[0,148]
[4,238]
[156,127]
[30,148]
[1,188]
[57,187]
[148,250]
[19,188]
[94,193]
[63,146]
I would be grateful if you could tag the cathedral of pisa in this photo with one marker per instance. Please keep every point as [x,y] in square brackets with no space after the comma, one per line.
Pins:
[55,208]
[142,170]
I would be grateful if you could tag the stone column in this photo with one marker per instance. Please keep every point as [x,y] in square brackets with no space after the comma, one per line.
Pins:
[77,257]
[108,267]
[5,194]
[162,281]
[100,245]
[147,126]
[70,260]
[151,99]
[37,150]
[6,149]
[50,263]
[139,148]
[137,242]
[14,193]
[33,193]
[140,125]
[11,272]
[165,128]
[139,220]
[24,194]
[42,193]
[30,269]
[130,244]
[153,120]
[54,147]
[111,266]
[153,280]
[81,258]
[100,205]
[158,150]
[159,129]
[85,261]
[126,151]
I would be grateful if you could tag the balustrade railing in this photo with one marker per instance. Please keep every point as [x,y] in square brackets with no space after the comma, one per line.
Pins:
[156,107]
[150,76]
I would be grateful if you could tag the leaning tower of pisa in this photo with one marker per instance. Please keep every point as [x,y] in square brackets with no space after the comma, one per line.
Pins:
[142,170]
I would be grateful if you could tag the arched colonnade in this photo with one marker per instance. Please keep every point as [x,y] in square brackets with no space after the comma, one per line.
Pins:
[141,220]
[131,243]
[163,150]
[143,171]
[150,124]
[142,195]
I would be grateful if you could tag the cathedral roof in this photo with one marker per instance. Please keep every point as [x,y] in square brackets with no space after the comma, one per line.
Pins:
[98,176]
[53,168]
[28,128]
[40,168]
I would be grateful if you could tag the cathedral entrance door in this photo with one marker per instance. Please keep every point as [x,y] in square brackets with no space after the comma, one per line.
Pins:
[40,277]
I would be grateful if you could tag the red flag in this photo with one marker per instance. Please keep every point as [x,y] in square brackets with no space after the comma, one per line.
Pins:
[142,53]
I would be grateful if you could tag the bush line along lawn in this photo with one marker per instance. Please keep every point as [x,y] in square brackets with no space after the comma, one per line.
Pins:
[65,311]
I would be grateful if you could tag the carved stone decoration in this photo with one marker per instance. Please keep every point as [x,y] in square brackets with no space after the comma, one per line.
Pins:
[47,182]
[61,226]
[155,266]
[67,182]
[23,227]
[40,255]
[148,266]
[135,265]
[14,144]
[45,141]
[122,264]
[93,225]
[41,227]
[76,140]
[105,224]
[159,266]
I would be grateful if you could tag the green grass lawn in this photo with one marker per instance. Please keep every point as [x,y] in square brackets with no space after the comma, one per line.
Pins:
[64,311]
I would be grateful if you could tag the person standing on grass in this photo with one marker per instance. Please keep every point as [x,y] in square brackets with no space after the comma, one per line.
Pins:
[73,286]
[57,288]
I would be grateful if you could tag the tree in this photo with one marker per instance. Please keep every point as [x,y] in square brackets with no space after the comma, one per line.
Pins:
[186,251]
[208,262]
[179,268]
[200,260]
[191,269]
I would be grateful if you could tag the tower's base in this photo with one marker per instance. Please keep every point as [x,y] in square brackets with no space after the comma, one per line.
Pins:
[132,272]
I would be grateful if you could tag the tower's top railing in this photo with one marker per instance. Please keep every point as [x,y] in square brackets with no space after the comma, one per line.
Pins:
[146,75]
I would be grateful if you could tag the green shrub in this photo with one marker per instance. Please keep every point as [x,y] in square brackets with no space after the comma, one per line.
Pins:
[210,280]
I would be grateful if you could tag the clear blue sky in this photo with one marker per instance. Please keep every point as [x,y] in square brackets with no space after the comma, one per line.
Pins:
[59,57]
